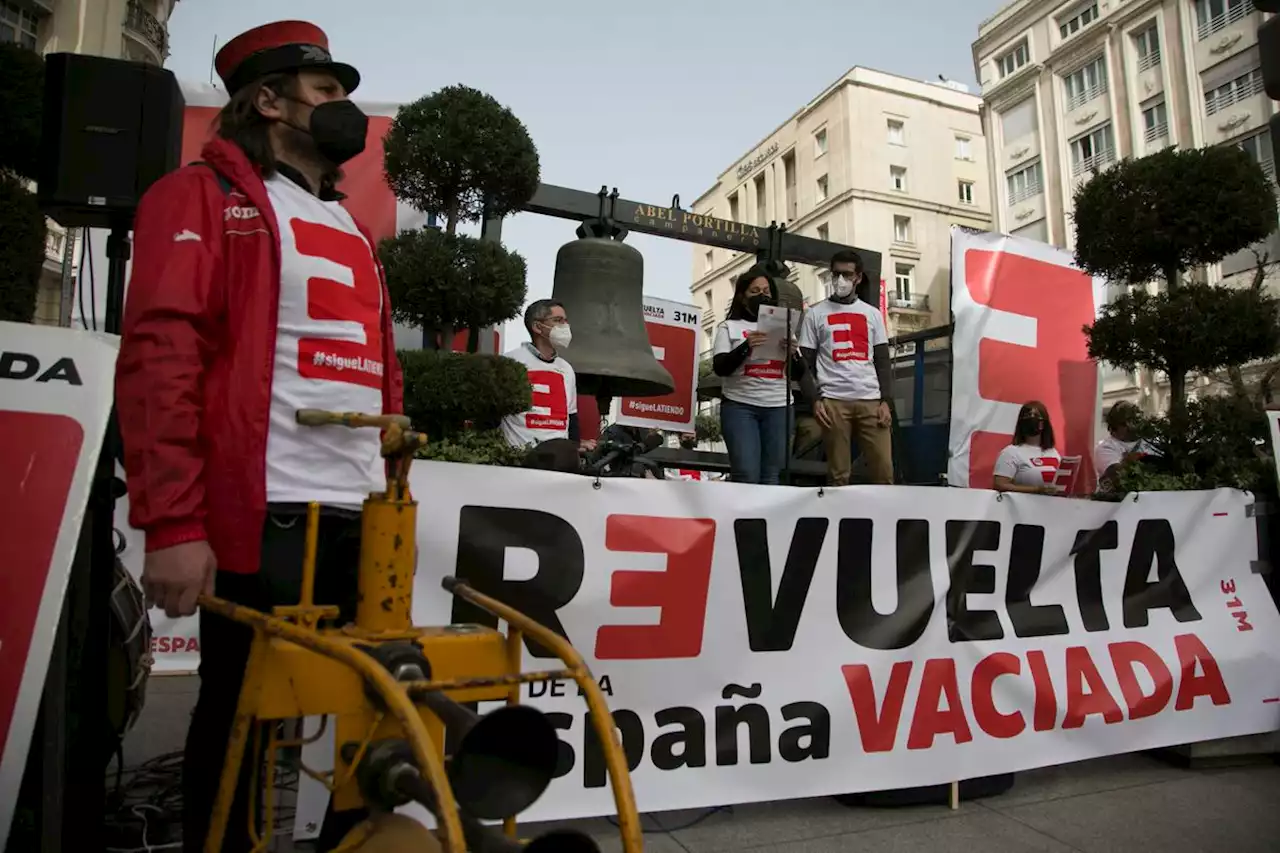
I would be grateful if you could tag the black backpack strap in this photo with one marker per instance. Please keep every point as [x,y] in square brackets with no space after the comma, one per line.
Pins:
[222,179]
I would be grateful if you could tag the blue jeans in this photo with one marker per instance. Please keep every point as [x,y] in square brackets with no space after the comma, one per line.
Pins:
[756,438]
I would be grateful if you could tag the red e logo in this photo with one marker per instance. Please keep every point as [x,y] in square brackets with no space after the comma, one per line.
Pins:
[550,401]
[850,337]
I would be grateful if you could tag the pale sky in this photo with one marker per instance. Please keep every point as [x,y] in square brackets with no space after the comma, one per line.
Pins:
[654,98]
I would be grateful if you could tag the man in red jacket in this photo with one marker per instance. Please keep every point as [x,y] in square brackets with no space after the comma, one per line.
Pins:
[253,294]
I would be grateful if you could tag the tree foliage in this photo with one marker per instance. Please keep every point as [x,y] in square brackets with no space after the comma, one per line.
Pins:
[21,250]
[1198,328]
[477,447]
[440,279]
[1215,442]
[1178,208]
[452,152]
[707,428]
[21,107]
[446,393]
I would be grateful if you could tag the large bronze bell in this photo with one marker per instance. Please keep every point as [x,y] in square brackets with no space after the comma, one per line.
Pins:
[600,281]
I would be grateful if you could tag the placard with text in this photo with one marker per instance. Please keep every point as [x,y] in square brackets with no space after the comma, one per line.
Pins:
[673,333]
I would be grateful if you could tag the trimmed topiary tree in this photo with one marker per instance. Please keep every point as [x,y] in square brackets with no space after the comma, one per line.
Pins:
[21,222]
[462,157]
[1159,216]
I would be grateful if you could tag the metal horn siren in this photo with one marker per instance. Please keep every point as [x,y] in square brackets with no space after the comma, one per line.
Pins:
[600,281]
[504,760]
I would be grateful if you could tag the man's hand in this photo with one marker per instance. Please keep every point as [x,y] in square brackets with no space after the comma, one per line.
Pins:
[1051,489]
[587,445]
[173,578]
[821,415]
[883,416]
[755,339]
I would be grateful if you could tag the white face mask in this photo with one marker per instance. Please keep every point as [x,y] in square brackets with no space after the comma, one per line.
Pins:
[842,286]
[560,336]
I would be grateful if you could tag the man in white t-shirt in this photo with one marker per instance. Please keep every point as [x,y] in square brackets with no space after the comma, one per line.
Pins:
[253,293]
[554,410]
[846,348]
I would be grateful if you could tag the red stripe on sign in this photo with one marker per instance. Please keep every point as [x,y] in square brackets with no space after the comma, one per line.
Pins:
[37,467]
[1272,699]
[1219,514]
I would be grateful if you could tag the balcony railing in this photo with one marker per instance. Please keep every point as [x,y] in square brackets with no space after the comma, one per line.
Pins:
[1156,132]
[1079,99]
[1221,22]
[1089,165]
[1219,99]
[909,301]
[144,24]
[1028,190]
[1151,60]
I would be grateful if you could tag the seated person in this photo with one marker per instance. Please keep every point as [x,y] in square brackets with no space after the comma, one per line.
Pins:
[1030,463]
[1121,445]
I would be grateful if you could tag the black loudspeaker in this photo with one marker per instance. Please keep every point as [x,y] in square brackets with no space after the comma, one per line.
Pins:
[111,129]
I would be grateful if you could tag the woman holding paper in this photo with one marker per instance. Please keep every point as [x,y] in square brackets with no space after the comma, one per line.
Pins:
[752,361]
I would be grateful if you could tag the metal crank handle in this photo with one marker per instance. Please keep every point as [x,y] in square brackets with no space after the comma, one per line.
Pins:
[320,417]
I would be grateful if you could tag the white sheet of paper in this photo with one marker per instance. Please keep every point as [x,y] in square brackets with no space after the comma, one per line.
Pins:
[772,321]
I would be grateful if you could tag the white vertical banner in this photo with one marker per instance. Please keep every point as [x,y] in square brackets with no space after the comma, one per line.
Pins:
[1020,309]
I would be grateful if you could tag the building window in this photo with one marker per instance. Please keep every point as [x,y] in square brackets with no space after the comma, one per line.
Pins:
[1025,183]
[1085,84]
[898,178]
[733,208]
[964,148]
[1014,59]
[1215,15]
[897,134]
[789,182]
[1233,91]
[1093,151]
[708,261]
[1085,15]
[902,229]
[1019,121]
[762,199]
[1146,45]
[18,26]
[966,192]
[820,143]
[824,232]
[824,188]
[902,279]
[1155,123]
[1258,146]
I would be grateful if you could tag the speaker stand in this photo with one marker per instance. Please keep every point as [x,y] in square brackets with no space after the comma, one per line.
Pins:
[83,675]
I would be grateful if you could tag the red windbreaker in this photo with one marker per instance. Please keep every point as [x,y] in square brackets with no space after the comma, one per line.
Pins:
[193,379]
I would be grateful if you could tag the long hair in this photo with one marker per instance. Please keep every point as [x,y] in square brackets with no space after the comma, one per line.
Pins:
[737,308]
[1030,409]
[240,122]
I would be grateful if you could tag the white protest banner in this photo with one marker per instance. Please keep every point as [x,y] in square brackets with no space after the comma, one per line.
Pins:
[761,643]
[673,334]
[1020,307]
[55,399]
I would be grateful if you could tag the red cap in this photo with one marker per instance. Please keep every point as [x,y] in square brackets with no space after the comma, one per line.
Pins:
[282,46]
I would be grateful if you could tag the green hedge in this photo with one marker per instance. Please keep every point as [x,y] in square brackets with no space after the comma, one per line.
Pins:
[451,280]
[444,391]
[22,234]
[477,447]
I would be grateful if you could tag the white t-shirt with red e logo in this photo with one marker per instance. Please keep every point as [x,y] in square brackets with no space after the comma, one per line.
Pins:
[328,353]
[555,397]
[844,336]
[758,381]
[1028,464]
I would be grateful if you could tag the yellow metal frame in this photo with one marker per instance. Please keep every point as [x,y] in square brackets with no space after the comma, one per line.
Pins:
[298,669]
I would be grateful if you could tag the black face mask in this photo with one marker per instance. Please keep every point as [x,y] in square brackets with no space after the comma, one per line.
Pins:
[1030,426]
[339,129]
[754,302]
